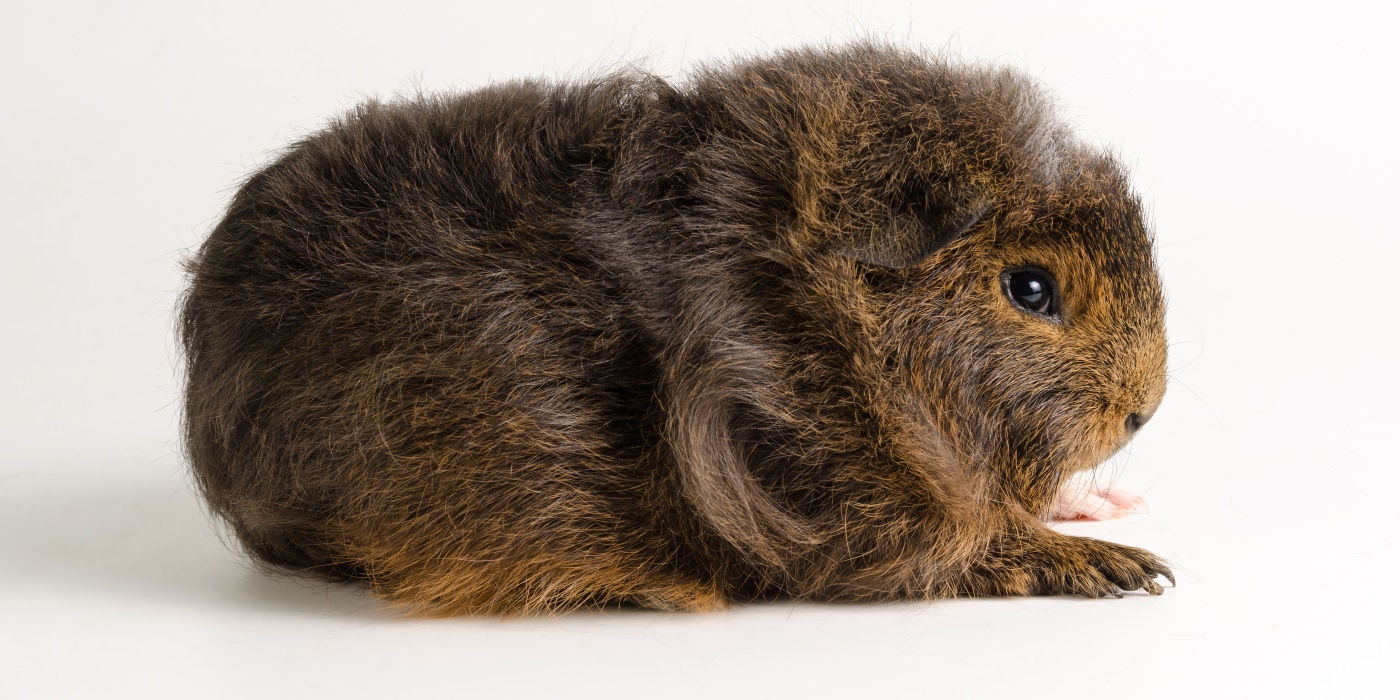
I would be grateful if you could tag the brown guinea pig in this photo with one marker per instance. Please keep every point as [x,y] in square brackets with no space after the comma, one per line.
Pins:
[831,325]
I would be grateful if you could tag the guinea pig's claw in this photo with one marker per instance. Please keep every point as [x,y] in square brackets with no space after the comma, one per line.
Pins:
[1106,568]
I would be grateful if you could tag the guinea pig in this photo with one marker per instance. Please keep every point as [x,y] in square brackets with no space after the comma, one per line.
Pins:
[830,324]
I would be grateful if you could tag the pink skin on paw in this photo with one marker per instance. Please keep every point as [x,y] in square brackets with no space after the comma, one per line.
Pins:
[1079,501]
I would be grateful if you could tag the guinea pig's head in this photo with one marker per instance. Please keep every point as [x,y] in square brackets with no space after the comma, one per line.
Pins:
[1035,337]
[1018,296]
[1003,269]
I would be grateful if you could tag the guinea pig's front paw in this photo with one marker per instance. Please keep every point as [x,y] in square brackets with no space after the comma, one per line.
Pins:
[1078,501]
[1032,559]
[1098,569]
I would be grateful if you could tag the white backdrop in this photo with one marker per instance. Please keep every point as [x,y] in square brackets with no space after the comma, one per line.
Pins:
[1262,137]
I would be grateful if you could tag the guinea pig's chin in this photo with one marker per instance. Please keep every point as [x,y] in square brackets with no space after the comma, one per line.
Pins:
[1096,452]
[1106,453]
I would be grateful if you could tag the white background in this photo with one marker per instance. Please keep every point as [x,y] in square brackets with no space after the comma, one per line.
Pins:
[1262,137]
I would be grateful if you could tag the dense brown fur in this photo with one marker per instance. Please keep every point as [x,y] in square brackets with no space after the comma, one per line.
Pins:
[541,346]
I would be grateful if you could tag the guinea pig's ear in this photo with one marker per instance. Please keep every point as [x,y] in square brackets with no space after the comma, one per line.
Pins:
[917,228]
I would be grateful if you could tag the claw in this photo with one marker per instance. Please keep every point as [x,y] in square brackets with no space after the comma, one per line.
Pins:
[1099,569]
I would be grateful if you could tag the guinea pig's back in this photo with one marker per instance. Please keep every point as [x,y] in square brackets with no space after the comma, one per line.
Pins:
[394,333]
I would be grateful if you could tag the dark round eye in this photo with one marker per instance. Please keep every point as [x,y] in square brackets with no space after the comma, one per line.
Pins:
[1032,290]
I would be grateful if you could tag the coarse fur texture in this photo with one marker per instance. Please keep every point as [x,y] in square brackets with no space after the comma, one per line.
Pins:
[541,346]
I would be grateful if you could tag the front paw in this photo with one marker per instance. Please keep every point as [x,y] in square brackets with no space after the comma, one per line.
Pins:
[1098,569]
[1088,502]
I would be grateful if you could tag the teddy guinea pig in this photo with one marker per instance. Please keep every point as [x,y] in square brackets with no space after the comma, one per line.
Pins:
[831,324]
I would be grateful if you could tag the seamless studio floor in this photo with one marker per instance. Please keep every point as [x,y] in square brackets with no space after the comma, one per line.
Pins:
[1258,139]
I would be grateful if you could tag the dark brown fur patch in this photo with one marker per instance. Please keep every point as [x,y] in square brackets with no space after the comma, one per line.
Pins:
[541,346]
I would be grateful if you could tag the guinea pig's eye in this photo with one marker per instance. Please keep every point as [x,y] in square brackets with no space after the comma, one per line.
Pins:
[1032,289]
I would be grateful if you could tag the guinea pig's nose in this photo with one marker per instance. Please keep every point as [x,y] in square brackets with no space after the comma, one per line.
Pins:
[1135,421]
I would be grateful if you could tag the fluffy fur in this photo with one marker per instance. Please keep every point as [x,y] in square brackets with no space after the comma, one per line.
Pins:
[541,346]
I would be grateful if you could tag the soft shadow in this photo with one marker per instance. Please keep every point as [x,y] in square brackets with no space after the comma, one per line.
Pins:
[146,538]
